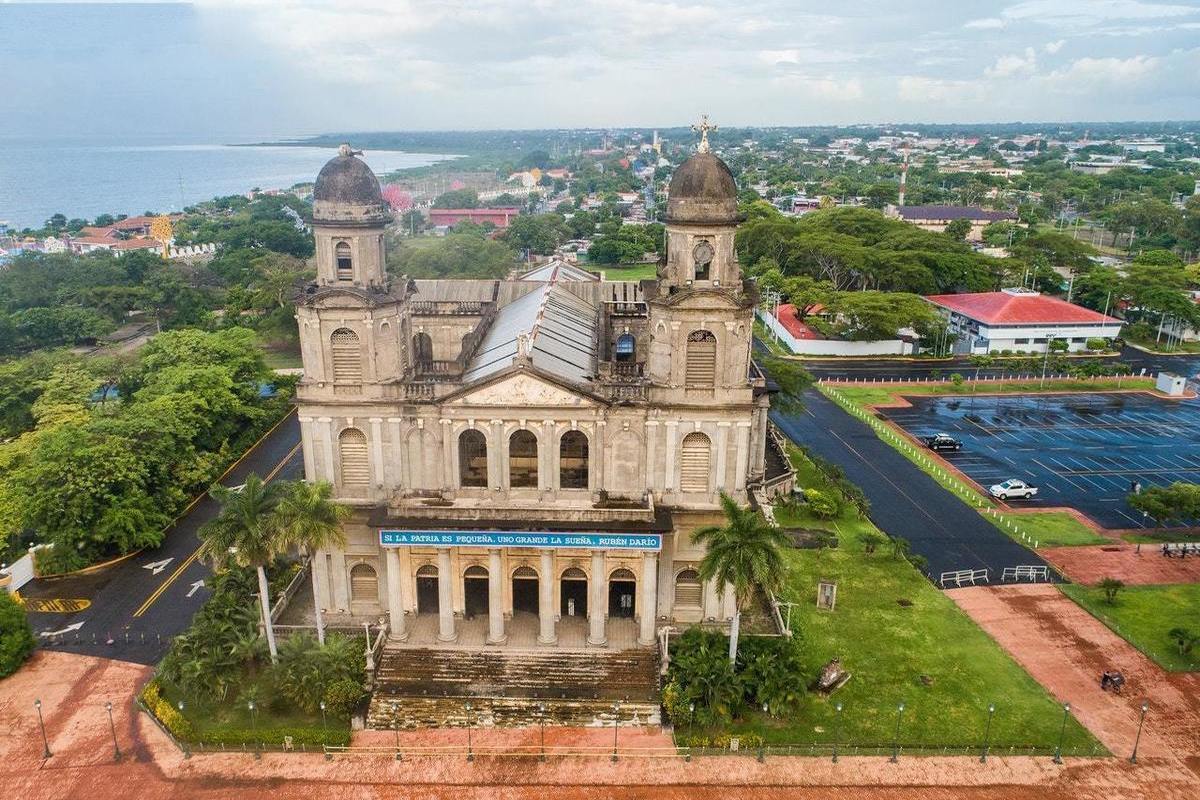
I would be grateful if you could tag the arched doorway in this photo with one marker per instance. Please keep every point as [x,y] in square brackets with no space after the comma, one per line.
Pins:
[475,591]
[573,594]
[427,589]
[622,591]
[525,590]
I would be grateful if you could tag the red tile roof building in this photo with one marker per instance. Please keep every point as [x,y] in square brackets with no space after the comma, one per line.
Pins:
[1020,320]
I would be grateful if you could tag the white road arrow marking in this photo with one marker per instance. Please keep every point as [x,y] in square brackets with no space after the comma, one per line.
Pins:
[74,626]
[156,567]
[195,586]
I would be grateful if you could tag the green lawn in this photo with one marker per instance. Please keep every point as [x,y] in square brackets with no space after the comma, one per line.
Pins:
[892,628]
[282,359]
[1142,615]
[636,273]
[1043,529]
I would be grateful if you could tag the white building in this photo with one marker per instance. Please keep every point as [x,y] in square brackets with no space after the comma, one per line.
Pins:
[1020,320]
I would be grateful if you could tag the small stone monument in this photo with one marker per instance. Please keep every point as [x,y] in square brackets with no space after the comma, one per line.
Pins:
[826,595]
[832,677]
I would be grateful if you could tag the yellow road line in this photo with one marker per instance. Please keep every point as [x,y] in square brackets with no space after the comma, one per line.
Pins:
[196,553]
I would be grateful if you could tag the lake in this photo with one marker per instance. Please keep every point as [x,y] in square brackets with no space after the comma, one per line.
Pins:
[83,177]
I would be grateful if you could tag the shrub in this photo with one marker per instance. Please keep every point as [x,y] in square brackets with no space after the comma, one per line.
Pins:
[1097,343]
[306,669]
[272,737]
[1183,638]
[167,714]
[16,635]
[1111,586]
[820,503]
[343,696]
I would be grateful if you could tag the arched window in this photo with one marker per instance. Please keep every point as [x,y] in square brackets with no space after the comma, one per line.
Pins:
[472,459]
[345,264]
[701,367]
[573,461]
[364,584]
[522,460]
[346,355]
[352,443]
[423,348]
[694,462]
[688,591]
[626,349]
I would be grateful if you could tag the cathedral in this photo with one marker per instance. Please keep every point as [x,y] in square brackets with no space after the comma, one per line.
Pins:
[527,458]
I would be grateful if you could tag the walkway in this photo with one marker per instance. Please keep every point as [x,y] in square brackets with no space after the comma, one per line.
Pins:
[1066,649]
[73,690]
[1122,561]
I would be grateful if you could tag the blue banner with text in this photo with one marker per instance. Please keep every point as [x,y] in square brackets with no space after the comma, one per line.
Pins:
[601,541]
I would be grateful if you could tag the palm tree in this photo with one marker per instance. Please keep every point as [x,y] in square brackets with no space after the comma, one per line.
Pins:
[308,518]
[746,552]
[246,533]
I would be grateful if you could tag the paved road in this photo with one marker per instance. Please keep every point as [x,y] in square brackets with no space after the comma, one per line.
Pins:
[139,604]
[856,368]
[905,502]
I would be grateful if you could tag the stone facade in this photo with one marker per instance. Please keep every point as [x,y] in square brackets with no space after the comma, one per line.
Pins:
[527,408]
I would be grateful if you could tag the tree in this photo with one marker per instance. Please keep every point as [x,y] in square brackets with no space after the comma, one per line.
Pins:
[308,518]
[1167,504]
[958,229]
[16,635]
[1183,638]
[247,533]
[457,198]
[456,255]
[746,553]
[1110,587]
[878,315]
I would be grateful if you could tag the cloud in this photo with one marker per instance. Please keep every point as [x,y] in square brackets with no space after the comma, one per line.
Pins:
[1093,75]
[984,24]
[1007,66]
[1054,47]
[1087,13]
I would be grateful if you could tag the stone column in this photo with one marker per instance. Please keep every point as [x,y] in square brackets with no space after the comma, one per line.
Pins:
[712,600]
[329,467]
[446,632]
[395,578]
[378,470]
[546,611]
[449,480]
[648,600]
[598,606]
[651,455]
[743,456]
[306,437]
[669,482]
[341,592]
[722,448]
[495,599]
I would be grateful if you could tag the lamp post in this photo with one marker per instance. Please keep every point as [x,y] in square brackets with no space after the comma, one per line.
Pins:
[187,753]
[542,725]
[896,738]
[254,726]
[616,724]
[42,724]
[837,729]
[1061,733]
[1137,739]
[470,752]
[112,727]
[396,726]
[324,721]
[762,746]
[987,733]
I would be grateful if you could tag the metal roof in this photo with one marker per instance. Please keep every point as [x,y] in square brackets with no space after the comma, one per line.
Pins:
[558,270]
[556,329]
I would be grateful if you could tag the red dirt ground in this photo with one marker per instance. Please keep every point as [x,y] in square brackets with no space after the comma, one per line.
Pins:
[1089,565]
[73,690]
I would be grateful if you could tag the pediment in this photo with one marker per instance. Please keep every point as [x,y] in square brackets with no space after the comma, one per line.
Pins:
[703,299]
[522,390]
[339,297]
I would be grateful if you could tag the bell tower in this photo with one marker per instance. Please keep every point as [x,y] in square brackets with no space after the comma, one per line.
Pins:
[700,320]
[349,216]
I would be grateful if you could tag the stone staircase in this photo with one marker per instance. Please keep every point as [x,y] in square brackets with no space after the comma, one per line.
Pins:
[427,687]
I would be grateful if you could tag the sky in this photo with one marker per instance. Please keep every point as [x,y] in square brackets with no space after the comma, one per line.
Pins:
[292,67]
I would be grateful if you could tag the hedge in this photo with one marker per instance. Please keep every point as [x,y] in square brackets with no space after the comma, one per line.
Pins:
[16,636]
[183,729]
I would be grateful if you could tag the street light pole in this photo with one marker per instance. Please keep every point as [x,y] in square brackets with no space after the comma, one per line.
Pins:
[616,723]
[837,729]
[987,734]
[42,724]
[470,752]
[896,738]
[187,753]
[542,724]
[762,747]
[112,727]
[1137,739]
[1061,733]
[324,721]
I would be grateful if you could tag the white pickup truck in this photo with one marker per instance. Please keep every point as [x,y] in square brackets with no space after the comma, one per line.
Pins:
[1012,488]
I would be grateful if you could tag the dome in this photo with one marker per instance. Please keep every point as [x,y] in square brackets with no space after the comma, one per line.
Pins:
[702,190]
[346,190]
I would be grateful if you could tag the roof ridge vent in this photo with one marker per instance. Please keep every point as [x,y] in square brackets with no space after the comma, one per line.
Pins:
[1020,291]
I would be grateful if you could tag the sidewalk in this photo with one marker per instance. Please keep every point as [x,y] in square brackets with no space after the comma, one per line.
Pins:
[73,690]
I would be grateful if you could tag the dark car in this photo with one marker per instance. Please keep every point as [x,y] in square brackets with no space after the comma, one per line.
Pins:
[941,441]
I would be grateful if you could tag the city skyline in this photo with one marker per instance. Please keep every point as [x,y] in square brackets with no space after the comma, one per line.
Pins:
[236,69]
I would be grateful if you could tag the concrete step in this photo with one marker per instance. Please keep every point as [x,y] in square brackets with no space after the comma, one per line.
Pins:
[414,713]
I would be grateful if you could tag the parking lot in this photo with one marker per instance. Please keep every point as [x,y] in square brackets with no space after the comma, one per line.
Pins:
[1082,451]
